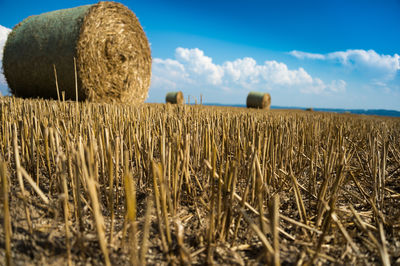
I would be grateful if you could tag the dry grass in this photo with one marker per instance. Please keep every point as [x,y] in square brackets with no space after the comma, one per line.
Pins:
[196,185]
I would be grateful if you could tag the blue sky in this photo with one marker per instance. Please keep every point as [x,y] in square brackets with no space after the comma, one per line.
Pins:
[334,54]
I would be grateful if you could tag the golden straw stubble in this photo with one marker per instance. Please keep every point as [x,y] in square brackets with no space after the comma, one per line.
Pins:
[212,173]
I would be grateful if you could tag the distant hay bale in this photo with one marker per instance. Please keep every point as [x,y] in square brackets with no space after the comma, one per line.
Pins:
[175,97]
[258,100]
[113,57]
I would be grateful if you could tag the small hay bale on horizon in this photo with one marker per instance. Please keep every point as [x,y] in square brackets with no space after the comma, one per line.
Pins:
[259,100]
[112,53]
[175,97]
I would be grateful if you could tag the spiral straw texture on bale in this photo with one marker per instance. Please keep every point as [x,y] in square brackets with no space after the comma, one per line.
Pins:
[258,100]
[175,97]
[113,58]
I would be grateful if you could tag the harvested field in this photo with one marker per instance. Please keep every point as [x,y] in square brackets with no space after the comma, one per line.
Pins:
[93,184]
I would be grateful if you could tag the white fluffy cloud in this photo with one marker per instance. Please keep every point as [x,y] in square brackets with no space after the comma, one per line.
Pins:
[303,55]
[3,37]
[196,63]
[369,62]
[192,69]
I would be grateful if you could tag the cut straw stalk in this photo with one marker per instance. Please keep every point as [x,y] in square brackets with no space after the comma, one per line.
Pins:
[184,254]
[130,197]
[66,209]
[91,184]
[6,208]
[299,200]
[98,217]
[110,168]
[55,78]
[20,181]
[146,231]
[34,186]
[274,211]
[156,173]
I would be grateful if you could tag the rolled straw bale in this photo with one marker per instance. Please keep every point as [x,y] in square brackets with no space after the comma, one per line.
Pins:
[175,97]
[258,100]
[113,58]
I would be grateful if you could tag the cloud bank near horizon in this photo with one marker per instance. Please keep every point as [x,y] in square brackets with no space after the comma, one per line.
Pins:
[191,68]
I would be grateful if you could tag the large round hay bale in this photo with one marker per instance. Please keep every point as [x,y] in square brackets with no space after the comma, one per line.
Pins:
[258,100]
[113,58]
[175,97]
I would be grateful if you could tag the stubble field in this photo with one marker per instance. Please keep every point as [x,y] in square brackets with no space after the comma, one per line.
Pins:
[92,184]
